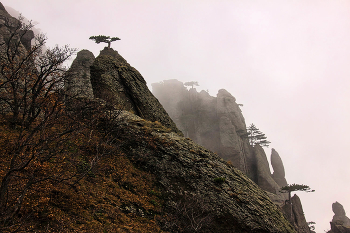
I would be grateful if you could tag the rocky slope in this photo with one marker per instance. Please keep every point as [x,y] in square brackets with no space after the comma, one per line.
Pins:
[192,188]
[198,182]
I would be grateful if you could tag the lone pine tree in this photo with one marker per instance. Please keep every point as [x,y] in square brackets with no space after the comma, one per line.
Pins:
[104,39]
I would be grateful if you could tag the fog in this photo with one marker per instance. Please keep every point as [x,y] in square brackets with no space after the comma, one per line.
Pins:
[285,61]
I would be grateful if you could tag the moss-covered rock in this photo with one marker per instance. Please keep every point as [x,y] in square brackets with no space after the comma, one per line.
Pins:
[188,173]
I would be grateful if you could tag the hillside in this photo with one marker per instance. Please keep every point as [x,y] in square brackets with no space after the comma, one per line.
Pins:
[107,157]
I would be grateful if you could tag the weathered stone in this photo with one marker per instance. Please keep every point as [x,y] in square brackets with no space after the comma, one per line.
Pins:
[340,217]
[226,105]
[122,86]
[77,78]
[294,213]
[264,179]
[278,169]
[189,172]
[335,228]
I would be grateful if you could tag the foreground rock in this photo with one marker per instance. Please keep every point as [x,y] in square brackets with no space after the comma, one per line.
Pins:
[196,182]
[122,86]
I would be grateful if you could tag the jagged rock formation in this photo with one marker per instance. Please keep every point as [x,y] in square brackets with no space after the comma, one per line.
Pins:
[294,213]
[216,123]
[8,24]
[340,217]
[188,173]
[121,85]
[278,169]
[78,78]
[263,175]
[340,222]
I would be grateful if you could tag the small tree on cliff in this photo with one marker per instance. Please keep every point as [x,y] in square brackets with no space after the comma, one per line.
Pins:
[191,84]
[256,137]
[295,187]
[104,39]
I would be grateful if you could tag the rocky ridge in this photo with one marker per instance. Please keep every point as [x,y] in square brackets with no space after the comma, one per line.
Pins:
[185,170]
[217,123]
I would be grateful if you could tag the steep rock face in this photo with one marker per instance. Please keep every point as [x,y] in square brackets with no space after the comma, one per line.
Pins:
[231,122]
[189,174]
[217,123]
[294,213]
[278,169]
[119,84]
[77,78]
[264,179]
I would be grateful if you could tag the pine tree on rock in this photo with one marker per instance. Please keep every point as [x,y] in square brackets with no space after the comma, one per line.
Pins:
[105,39]
[256,137]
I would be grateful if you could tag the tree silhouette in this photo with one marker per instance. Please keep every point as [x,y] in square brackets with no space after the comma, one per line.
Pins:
[191,84]
[256,137]
[104,39]
[295,187]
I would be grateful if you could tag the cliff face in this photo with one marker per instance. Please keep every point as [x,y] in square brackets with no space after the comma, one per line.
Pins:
[217,123]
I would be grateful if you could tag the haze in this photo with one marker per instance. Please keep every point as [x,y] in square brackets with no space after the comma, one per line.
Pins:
[285,61]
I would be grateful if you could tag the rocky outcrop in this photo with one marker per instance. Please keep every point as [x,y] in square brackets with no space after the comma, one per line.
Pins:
[116,82]
[231,122]
[278,169]
[264,179]
[7,26]
[340,217]
[197,182]
[78,78]
[217,123]
[294,213]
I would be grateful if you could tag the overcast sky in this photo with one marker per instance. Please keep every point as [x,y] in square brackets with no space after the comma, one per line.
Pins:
[286,61]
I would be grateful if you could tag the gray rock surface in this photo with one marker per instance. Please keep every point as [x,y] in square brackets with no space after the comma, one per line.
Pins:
[122,86]
[78,78]
[7,26]
[264,179]
[185,171]
[295,215]
[340,217]
[278,169]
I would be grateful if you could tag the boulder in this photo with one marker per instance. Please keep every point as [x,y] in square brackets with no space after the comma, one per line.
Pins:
[122,86]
